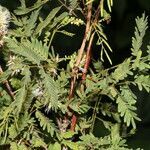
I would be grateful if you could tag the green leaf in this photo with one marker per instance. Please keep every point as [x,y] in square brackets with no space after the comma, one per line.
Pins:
[46,21]
[50,90]
[16,146]
[143,81]
[126,106]
[37,141]
[31,23]
[140,29]
[55,146]
[4,75]
[22,10]
[122,71]
[79,108]
[20,98]
[12,131]
[33,51]
[71,145]
[45,123]
[67,134]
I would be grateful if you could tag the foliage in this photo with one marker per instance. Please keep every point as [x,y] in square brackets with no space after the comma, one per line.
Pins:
[47,106]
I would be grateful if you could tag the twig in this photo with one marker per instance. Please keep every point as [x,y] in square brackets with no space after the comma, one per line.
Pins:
[95,113]
[8,87]
[88,57]
[89,49]
[87,30]
[81,50]
[79,57]
[88,53]
[67,8]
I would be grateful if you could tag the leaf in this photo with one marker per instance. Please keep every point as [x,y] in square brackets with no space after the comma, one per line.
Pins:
[24,121]
[50,90]
[122,71]
[4,75]
[109,5]
[143,81]
[126,106]
[66,33]
[71,145]
[46,21]
[22,10]
[79,108]
[16,146]
[12,131]
[140,29]
[31,23]
[55,146]
[58,20]
[68,134]
[33,51]
[46,123]
[20,98]
[37,141]
[73,4]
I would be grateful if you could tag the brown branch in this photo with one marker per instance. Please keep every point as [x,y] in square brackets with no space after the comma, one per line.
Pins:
[73,80]
[87,30]
[73,122]
[89,49]
[88,57]
[81,50]
[79,57]
[8,87]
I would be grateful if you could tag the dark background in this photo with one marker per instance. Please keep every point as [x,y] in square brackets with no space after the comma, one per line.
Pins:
[119,32]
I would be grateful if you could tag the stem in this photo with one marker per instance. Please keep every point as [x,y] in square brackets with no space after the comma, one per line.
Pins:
[94,113]
[8,87]
[81,50]
[63,4]
[87,30]
[79,57]
[51,38]
[88,57]
[89,49]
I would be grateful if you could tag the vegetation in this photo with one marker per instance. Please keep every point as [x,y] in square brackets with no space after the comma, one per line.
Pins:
[47,105]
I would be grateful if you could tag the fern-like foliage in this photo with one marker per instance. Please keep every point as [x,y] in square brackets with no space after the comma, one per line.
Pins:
[33,50]
[139,34]
[50,91]
[37,110]
[45,123]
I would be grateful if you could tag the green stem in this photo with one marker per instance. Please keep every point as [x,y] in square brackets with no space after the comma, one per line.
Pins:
[50,42]
[95,113]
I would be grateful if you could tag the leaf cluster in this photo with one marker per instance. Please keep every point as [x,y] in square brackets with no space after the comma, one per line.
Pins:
[33,117]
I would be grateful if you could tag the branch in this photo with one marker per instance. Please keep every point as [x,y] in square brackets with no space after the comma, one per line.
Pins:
[79,57]
[81,50]
[88,57]
[8,87]
[70,11]
[89,49]
[87,30]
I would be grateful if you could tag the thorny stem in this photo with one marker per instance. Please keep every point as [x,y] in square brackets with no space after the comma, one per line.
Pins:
[80,54]
[79,57]
[89,49]
[81,50]
[88,57]
[8,87]
[87,30]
